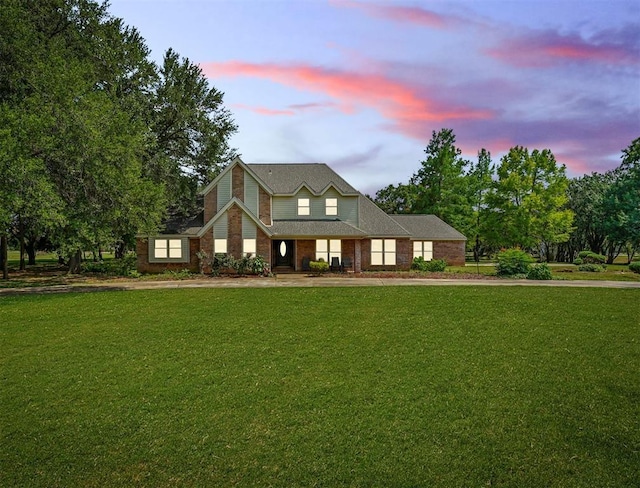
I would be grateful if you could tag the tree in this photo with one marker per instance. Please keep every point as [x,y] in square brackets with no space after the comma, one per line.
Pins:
[98,140]
[398,199]
[622,203]
[526,204]
[479,181]
[440,182]
[190,131]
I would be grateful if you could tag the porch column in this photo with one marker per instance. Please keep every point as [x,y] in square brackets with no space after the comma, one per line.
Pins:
[357,258]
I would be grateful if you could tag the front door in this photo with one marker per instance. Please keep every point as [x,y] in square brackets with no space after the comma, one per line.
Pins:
[284,253]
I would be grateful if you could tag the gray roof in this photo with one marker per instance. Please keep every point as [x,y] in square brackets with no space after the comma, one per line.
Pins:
[376,223]
[428,227]
[285,179]
[314,228]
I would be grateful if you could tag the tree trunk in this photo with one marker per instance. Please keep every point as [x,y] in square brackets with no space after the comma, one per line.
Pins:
[21,239]
[4,256]
[31,251]
[74,262]
[119,250]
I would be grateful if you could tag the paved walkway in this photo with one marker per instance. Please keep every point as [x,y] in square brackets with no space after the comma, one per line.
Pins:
[303,281]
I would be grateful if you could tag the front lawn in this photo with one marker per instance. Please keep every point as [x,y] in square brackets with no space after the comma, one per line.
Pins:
[388,386]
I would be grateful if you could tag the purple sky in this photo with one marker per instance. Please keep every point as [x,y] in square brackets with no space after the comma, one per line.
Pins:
[361,85]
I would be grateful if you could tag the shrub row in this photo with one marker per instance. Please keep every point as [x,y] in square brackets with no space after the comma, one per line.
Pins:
[433,266]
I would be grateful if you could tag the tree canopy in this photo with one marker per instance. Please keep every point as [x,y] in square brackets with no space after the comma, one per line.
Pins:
[97,142]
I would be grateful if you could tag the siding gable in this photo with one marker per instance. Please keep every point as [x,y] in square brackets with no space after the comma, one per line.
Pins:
[251,193]
[224,189]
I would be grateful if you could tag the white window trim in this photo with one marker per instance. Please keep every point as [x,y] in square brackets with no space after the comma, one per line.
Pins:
[219,246]
[331,206]
[383,252]
[328,248]
[423,249]
[249,247]
[168,249]
[304,206]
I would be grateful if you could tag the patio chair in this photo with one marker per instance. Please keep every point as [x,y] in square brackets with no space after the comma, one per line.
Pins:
[335,264]
[305,263]
[347,264]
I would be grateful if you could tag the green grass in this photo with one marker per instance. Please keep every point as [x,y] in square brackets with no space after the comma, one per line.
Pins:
[400,386]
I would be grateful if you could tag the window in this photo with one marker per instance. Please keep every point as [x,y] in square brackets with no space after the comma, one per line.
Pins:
[423,249]
[167,249]
[328,248]
[331,206]
[303,206]
[219,246]
[249,247]
[383,252]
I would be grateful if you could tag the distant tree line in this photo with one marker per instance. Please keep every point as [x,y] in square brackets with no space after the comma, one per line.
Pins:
[97,142]
[525,201]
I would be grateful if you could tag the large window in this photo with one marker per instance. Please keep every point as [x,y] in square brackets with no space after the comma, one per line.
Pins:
[423,249]
[327,249]
[249,247]
[303,206]
[219,246]
[331,206]
[167,249]
[383,252]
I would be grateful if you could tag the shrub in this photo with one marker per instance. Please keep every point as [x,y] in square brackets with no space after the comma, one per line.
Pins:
[539,272]
[577,261]
[319,267]
[435,265]
[589,257]
[635,267]
[592,268]
[116,267]
[513,262]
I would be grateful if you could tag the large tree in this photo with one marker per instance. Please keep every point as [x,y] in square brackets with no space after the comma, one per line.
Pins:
[622,203]
[526,207]
[440,183]
[112,140]
[479,181]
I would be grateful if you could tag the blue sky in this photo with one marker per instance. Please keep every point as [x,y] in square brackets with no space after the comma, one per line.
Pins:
[361,85]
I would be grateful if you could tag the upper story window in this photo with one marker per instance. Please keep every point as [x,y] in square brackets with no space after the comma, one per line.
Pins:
[304,206]
[331,206]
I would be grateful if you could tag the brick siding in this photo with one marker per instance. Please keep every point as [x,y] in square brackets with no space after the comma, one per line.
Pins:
[144,266]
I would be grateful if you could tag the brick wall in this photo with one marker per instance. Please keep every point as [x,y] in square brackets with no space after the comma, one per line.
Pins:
[234,237]
[451,251]
[144,266]
[404,256]
[263,246]
[264,206]
[237,183]
[210,204]
[305,249]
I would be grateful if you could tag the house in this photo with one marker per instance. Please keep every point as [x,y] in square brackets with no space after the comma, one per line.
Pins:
[291,214]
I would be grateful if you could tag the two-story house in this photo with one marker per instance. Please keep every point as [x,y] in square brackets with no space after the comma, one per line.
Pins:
[293,213]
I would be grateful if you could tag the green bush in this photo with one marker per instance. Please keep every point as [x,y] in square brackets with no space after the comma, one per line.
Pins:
[114,267]
[592,268]
[635,267]
[435,265]
[539,272]
[319,267]
[588,257]
[513,262]
[577,261]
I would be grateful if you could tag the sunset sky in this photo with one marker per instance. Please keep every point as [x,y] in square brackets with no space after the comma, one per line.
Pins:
[361,85]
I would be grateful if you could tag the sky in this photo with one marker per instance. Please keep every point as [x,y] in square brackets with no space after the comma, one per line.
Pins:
[362,85]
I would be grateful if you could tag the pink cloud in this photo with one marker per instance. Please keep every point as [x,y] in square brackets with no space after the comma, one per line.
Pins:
[263,110]
[548,48]
[399,13]
[400,103]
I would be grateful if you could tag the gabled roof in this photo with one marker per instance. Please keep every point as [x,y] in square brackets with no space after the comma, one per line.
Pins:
[314,228]
[427,227]
[222,211]
[288,178]
[376,223]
